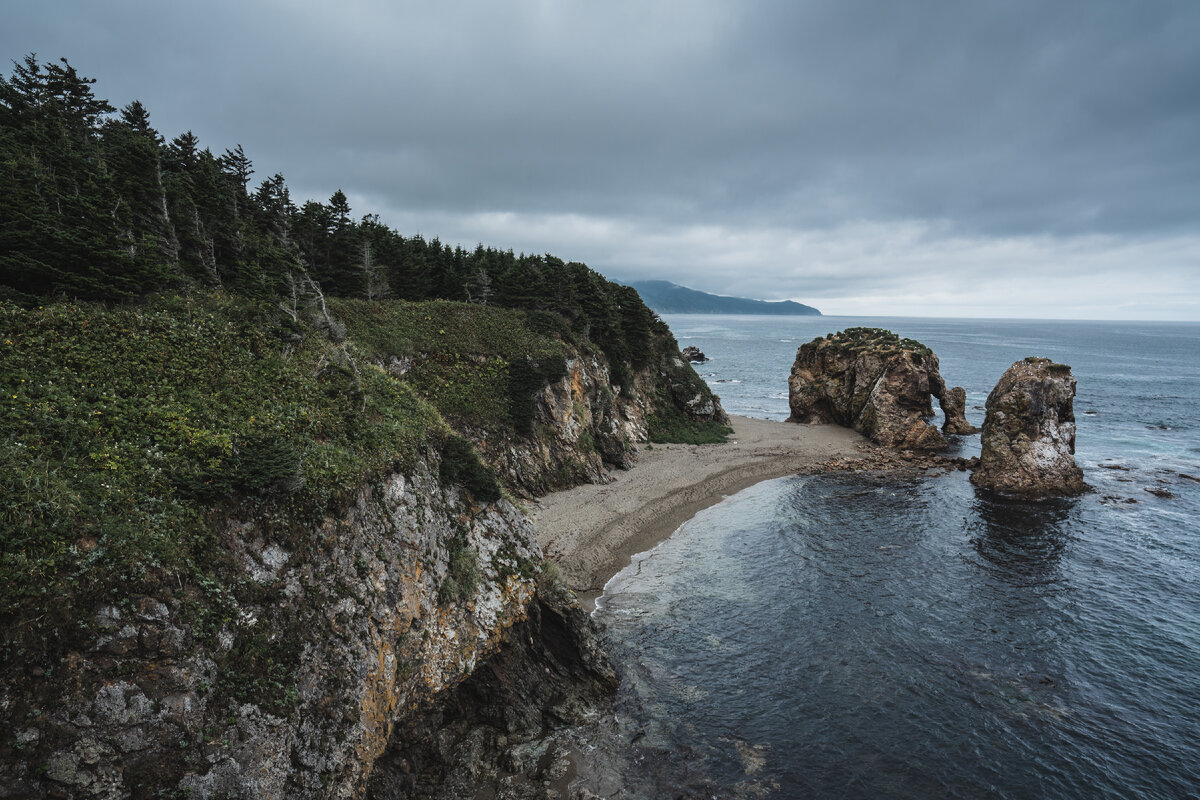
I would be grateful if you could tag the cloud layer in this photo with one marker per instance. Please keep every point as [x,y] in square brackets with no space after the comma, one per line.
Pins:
[1007,158]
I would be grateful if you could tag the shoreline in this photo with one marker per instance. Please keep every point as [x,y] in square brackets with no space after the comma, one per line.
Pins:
[594,530]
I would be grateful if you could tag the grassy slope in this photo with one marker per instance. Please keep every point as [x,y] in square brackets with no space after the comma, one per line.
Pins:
[125,430]
[475,363]
[128,433]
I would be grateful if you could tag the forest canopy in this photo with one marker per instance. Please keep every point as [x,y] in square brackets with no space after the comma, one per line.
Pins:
[95,204]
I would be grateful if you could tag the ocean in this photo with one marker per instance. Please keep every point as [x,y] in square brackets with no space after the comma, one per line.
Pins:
[849,636]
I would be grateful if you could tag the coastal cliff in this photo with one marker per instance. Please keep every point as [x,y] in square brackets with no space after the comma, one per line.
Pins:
[252,556]
[545,408]
[293,686]
[873,381]
[258,465]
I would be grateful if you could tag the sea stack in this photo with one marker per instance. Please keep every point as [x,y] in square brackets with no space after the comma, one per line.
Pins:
[1029,432]
[873,381]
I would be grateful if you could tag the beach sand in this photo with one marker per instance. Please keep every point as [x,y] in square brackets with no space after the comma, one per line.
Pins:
[593,530]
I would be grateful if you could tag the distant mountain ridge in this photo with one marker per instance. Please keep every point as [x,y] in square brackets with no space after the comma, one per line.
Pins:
[671,298]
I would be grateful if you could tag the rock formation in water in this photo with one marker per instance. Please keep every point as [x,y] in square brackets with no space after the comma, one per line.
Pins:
[1029,432]
[693,354]
[877,383]
[954,403]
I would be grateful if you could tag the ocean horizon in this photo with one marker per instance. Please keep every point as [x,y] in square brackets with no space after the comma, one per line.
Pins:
[853,635]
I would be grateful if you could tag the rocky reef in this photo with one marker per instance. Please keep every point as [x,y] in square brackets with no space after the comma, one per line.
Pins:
[1029,432]
[877,383]
[694,354]
[351,635]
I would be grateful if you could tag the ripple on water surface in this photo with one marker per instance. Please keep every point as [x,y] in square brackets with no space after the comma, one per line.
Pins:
[849,636]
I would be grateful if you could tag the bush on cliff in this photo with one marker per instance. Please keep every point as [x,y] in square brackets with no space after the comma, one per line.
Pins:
[128,432]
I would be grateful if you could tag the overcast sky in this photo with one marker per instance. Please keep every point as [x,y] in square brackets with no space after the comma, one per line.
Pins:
[925,157]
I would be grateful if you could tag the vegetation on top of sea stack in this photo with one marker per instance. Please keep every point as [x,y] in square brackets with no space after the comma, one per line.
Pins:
[860,339]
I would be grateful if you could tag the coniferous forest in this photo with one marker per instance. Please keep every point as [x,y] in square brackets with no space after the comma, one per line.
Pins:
[95,204]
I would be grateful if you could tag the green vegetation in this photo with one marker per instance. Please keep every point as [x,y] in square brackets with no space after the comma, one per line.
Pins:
[860,339]
[462,573]
[1051,366]
[179,347]
[679,386]
[461,465]
[680,430]
[480,366]
[125,430]
[261,669]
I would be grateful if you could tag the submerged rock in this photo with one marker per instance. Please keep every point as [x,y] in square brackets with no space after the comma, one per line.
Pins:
[692,353]
[1029,432]
[877,383]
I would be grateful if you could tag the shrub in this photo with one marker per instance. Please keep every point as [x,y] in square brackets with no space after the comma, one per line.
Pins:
[461,465]
[678,429]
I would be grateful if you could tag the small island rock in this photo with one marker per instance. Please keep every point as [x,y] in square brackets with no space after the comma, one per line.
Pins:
[954,404]
[692,353]
[1029,432]
[877,383]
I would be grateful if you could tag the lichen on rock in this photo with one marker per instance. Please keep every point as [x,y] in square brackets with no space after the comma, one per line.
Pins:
[879,384]
[296,685]
[1029,432]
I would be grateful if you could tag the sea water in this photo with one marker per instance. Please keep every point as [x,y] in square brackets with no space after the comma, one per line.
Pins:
[850,636]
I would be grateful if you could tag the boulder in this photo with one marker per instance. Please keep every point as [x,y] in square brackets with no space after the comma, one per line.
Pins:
[692,353]
[877,383]
[1029,432]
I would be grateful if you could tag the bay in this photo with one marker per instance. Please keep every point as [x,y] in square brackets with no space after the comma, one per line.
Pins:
[853,636]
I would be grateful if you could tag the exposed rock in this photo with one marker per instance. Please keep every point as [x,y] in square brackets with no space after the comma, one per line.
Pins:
[954,402]
[1029,432]
[877,383]
[693,354]
[502,732]
[583,425]
[578,408]
[293,679]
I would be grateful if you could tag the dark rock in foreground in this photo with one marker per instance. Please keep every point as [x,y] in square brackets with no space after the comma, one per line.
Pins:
[692,353]
[1029,432]
[877,383]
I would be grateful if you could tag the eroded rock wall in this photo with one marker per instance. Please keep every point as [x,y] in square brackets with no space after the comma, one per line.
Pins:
[873,381]
[507,729]
[291,683]
[582,427]
[1029,432]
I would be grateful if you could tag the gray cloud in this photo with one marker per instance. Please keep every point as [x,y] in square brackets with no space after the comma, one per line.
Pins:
[1069,125]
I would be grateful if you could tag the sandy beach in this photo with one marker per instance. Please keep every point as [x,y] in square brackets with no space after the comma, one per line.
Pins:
[593,530]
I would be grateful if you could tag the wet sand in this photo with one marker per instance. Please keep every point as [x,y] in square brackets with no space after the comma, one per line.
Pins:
[592,531]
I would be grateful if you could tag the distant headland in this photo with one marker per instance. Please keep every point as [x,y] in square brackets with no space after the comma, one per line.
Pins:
[665,297]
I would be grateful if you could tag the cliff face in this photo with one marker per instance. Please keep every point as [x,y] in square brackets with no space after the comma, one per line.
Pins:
[581,428]
[350,635]
[545,407]
[877,383]
[1029,432]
